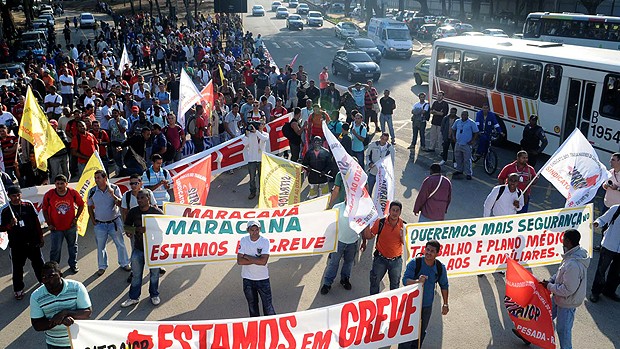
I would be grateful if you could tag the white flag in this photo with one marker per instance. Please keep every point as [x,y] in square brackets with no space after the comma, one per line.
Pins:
[4,200]
[124,59]
[575,171]
[188,96]
[383,191]
[360,209]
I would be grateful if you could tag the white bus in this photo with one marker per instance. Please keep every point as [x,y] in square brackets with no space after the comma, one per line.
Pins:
[567,86]
[574,29]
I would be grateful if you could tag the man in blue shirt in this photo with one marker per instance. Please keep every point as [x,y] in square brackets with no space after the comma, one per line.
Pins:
[486,121]
[358,134]
[464,132]
[358,92]
[429,272]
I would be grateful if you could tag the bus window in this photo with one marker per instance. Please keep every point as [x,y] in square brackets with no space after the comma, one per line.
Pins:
[532,29]
[479,69]
[610,100]
[551,84]
[448,63]
[519,77]
[613,32]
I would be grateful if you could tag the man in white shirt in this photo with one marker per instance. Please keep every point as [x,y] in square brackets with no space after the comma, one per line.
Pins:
[504,199]
[255,141]
[66,88]
[232,121]
[609,258]
[253,256]
[53,103]
[204,75]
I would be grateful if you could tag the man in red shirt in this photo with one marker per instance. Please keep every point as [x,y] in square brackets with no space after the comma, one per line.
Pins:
[83,145]
[526,174]
[59,210]
[175,135]
[9,151]
[201,128]
[103,140]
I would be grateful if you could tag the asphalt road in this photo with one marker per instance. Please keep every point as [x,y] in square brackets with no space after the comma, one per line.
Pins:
[477,317]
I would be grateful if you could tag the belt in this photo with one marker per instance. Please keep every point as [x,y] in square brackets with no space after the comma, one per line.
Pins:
[378,254]
[106,222]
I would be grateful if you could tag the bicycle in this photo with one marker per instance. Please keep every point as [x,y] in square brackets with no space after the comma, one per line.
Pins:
[490,158]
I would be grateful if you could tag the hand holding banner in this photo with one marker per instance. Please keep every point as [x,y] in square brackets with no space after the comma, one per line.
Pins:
[87,181]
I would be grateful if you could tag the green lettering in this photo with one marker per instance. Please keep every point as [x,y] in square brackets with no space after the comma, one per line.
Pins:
[293,224]
[177,227]
[210,227]
[194,228]
[226,228]
[488,229]
[276,225]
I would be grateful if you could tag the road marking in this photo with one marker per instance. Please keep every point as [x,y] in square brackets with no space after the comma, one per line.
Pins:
[287,44]
[275,45]
[331,43]
[296,43]
[321,44]
[310,44]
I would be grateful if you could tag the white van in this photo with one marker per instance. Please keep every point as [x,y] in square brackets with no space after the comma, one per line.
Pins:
[391,37]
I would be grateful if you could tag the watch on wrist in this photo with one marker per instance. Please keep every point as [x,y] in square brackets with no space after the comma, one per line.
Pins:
[445,305]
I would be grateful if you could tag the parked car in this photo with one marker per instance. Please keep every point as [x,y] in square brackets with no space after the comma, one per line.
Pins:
[258,10]
[40,35]
[463,27]
[38,49]
[49,17]
[282,12]
[293,3]
[314,18]
[346,30]
[294,22]
[430,19]
[357,65]
[444,32]
[363,44]
[275,5]
[303,9]
[337,7]
[87,20]
[472,34]
[420,72]
[495,32]
[12,68]
[426,31]
[40,24]
[452,21]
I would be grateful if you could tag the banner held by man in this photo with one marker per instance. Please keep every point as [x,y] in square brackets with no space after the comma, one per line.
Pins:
[383,191]
[191,186]
[280,182]
[87,181]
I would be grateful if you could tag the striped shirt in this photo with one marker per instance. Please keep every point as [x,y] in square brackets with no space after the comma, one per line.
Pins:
[45,305]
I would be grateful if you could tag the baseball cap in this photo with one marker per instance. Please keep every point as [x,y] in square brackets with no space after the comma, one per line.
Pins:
[135,108]
[253,223]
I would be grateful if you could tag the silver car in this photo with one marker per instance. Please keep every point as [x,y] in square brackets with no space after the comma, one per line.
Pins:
[314,18]
[258,10]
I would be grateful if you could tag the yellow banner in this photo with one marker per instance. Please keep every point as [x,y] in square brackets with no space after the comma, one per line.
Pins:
[280,182]
[87,181]
[36,129]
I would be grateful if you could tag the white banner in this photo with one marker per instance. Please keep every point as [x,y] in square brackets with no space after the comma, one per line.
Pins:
[172,240]
[188,96]
[482,245]
[360,209]
[124,59]
[383,191]
[210,212]
[387,318]
[575,170]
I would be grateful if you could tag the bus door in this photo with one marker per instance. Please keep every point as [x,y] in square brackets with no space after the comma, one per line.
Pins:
[578,107]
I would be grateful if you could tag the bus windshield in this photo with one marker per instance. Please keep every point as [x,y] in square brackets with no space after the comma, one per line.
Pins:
[398,34]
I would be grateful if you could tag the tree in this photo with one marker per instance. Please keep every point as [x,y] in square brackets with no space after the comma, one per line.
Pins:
[424,6]
[462,9]
[591,5]
[444,9]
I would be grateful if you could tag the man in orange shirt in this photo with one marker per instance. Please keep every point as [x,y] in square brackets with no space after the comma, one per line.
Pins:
[388,255]
[323,80]
[83,145]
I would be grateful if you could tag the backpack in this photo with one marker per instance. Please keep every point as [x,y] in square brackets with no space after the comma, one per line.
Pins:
[165,172]
[377,143]
[287,131]
[419,112]
[368,137]
[128,198]
[612,221]
[418,266]
[382,224]
[190,125]
[501,191]
[170,152]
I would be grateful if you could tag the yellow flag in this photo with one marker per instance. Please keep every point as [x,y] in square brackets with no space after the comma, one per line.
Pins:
[221,74]
[87,181]
[280,182]
[36,129]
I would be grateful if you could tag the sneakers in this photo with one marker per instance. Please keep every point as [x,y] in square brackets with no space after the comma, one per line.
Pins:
[252,196]
[442,162]
[614,297]
[325,289]
[514,330]
[19,295]
[126,268]
[155,300]
[457,173]
[74,269]
[594,298]
[411,146]
[345,283]
[129,302]
[162,271]
[468,177]
[100,272]
[455,165]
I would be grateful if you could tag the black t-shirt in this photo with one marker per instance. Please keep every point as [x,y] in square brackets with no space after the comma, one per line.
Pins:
[439,106]
[134,219]
[296,139]
[21,236]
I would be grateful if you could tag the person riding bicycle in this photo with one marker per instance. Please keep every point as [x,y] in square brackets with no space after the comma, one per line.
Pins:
[486,121]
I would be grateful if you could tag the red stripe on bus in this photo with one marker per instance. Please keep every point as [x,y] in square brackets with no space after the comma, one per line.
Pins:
[520,102]
[496,101]
[510,107]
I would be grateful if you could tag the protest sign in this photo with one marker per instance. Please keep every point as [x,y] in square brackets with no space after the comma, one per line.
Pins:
[380,320]
[383,191]
[191,186]
[311,206]
[173,240]
[280,182]
[482,245]
[529,305]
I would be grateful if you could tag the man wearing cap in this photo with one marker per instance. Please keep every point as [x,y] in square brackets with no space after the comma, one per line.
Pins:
[253,256]
[21,222]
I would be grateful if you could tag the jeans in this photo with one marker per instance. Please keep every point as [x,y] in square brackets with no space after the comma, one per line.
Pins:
[382,265]
[422,218]
[131,167]
[67,100]
[436,138]
[137,269]
[59,165]
[80,168]
[419,127]
[564,318]
[484,141]
[115,231]
[252,290]
[372,179]
[607,260]
[18,260]
[359,155]
[295,150]
[70,235]
[346,252]
[254,170]
[463,158]
[387,118]
[444,153]
[425,318]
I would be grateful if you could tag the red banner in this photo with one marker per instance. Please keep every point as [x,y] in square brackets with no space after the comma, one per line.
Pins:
[206,99]
[191,186]
[529,305]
